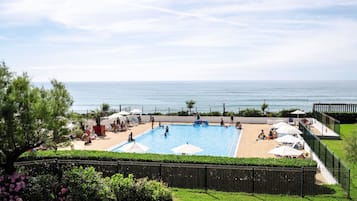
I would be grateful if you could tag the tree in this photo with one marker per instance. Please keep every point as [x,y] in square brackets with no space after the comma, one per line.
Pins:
[29,116]
[59,103]
[264,107]
[105,108]
[190,104]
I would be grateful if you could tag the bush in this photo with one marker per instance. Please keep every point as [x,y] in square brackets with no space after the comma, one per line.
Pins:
[214,113]
[182,113]
[250,112]
[12,186]
[85,184]
[123,188]
[42,188]
[127,189]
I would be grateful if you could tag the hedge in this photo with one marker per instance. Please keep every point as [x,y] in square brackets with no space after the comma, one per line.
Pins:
[105,155]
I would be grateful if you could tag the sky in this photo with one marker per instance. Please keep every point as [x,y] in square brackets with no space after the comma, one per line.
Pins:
[154,40]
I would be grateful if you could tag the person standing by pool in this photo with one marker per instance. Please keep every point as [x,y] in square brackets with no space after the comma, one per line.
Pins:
[152,122]
[130,138]
[232,118]
[222,122]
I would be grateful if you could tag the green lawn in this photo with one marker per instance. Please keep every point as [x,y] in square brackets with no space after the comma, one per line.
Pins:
[198,195]
[334,145]
[337,146]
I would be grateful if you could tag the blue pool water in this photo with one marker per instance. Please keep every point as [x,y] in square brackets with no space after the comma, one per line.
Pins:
[214,140]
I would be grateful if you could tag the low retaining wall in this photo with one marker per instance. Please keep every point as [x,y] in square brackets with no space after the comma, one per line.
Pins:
[251,179]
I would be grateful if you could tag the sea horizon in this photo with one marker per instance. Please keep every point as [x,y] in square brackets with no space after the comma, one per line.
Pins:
[236,95]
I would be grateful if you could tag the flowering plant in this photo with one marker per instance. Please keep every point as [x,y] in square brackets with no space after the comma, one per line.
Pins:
[12,186]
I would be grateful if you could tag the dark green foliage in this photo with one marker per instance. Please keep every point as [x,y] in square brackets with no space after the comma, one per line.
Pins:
[345,118]
[42,188]
[105,108]
[264,107]
[182,113]
[122,188]
[286,113]
[29,116]
[250,112]
[127,189]
[85,184]
[214,113]
[104,155]
[190,104]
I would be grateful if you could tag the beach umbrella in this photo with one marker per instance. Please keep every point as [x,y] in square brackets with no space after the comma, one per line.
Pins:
[124,113]
[287,129]
[186,149]
[298,112]
[285,151]
[135,111]
[134,147]
[115,116]
[278,125]
[288,139]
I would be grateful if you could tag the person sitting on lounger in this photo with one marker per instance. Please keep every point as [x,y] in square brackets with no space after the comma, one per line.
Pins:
[261,135]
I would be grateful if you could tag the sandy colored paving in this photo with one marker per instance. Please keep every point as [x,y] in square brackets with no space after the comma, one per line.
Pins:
[251,147]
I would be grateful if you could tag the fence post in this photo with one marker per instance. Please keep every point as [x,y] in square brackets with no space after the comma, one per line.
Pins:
[333,165]
[302,182]
[349,183]
[160,171]
[326,156]
[206,184]
[339,170]
[253,188]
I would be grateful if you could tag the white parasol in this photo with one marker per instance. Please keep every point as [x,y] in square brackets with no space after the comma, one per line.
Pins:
[298,112]
[186,149]
[115,116]
[288,139]
[134,147]
[287,129]
[285,151]
[278,125]
[135,111]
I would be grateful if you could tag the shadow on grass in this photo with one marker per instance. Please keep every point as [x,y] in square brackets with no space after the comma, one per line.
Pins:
[322,189]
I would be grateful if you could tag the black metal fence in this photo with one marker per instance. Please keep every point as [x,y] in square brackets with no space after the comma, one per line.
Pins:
[328,121]
[334,107]
[334,164]
[271,180]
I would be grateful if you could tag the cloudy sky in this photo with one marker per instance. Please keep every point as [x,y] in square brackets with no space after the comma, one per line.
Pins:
[120,40]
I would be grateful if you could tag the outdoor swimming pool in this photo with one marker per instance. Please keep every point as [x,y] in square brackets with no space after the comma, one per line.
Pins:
[213,140]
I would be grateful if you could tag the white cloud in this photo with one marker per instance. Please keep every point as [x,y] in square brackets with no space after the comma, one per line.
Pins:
[159,39]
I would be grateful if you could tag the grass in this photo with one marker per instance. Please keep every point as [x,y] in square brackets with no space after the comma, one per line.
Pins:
[180,194]
[337,146]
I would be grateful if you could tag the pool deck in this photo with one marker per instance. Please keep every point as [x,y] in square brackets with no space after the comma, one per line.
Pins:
[248,145]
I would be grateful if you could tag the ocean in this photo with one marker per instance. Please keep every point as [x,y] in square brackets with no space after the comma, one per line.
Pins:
[170,96]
